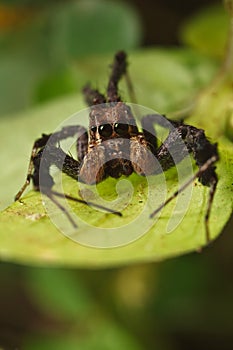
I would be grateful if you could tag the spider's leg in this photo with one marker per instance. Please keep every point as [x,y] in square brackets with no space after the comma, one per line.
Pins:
[46,153]
[209,163]
[69,131]
[188,139]
[39,144]
[42,162]
[119,69]
[82,146]
[203,151]
[130,88]
[148,129]
[213,185]
[95,205]
[148,124]
[43,181]
[92,96]
[51,195]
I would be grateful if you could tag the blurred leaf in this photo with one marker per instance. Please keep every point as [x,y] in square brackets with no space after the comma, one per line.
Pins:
[29,238]
[71,29]
[58,34]
[207,31]
[56,84]
[58,293]
[107,336]
[12,17]
[25,2]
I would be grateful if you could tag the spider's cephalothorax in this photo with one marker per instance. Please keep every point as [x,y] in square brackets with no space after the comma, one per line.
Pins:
[113,146]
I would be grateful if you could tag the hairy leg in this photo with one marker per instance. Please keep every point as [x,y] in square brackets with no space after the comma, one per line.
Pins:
[182,140]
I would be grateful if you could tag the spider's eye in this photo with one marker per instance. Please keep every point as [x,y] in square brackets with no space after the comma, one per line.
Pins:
[105,130]
[121,129]
[93,129]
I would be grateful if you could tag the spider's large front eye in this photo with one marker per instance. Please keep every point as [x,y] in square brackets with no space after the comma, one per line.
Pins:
[94,129]
[121,129]
[105,130]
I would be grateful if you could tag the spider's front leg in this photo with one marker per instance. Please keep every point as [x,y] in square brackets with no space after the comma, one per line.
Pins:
[47,152]
[51,140]
[38,144]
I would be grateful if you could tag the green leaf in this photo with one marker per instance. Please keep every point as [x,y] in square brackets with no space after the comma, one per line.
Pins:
[106,336]
[28,236]
[165,80]
[59,293]
[207,31]
[38,53]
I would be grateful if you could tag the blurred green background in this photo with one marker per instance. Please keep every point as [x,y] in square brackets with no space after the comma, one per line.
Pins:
[183,303]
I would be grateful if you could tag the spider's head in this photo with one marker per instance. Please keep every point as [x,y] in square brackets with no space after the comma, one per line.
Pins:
[111,120]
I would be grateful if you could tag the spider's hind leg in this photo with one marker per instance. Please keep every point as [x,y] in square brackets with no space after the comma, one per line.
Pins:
[206,155]
[189,139]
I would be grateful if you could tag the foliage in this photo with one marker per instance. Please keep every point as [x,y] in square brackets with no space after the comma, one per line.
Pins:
[37,57]
[207,31]
[28,236]
[174,305]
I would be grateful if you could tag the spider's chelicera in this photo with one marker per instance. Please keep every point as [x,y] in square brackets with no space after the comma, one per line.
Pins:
[114,146]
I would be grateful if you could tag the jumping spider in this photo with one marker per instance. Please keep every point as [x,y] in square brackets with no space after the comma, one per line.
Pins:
[113,131]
